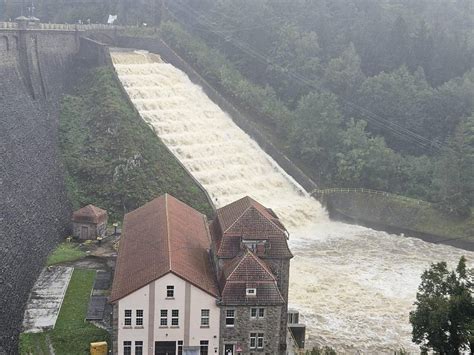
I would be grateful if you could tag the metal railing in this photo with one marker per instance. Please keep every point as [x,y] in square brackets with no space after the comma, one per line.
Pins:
[322,192]
[8,25]
[61,26]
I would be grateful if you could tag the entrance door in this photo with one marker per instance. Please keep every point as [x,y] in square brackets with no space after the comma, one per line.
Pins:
[84,232]
[165,348]
[229,349]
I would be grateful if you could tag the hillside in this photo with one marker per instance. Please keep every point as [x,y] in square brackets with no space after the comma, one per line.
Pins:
[112,158]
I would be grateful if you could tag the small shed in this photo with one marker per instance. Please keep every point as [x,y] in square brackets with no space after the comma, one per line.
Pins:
[89,222]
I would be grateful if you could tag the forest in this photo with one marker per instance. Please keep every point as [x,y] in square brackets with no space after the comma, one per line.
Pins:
[364,93]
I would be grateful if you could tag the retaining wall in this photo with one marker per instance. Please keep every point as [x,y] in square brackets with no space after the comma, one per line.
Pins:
[400,215]
[34,209]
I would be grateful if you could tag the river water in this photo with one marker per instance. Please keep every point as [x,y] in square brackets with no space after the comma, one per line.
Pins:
[353,285]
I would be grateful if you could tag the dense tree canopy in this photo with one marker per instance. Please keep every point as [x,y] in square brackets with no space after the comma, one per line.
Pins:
[443,320]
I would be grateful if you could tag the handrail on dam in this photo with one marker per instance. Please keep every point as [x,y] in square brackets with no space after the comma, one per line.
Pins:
[61,26]
[322,192]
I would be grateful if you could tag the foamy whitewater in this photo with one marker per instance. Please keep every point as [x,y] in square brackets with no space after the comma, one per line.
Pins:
[354,286]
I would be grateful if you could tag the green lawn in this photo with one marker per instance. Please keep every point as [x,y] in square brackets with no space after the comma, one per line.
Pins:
[72,334]
[33,343]
[65,252]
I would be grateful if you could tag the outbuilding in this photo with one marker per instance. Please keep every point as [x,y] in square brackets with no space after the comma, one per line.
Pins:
[89,222]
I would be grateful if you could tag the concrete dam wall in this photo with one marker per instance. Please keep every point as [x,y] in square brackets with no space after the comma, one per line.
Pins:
[34,209]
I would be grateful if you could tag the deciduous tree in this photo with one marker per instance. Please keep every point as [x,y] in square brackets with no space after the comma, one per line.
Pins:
[443,320]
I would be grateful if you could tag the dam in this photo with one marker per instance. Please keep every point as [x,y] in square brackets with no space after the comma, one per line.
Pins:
[354,286]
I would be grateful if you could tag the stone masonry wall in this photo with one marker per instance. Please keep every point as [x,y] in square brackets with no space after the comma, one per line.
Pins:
[281,269]
[34,210]
[239,335]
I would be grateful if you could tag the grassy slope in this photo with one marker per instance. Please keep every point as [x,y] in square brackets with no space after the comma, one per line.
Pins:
[112,157]
[65,252]
[72,334]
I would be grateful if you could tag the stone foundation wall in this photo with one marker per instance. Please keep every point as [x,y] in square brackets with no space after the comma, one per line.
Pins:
[239,335]
[281,269]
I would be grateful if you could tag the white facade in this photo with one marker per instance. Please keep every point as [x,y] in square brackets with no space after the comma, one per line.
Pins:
[186,308]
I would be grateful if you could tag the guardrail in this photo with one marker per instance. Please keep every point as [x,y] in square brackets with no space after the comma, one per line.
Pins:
[322,192]
[61,26]
[8,25]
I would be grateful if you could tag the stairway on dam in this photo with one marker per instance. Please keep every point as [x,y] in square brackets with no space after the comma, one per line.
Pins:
[354,286]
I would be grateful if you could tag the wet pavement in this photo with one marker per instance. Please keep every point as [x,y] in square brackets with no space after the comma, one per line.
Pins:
[46,299]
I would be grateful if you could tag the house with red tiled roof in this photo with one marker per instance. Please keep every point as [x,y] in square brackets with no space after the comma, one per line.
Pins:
[165,289]
[89,222]
[183,285]
[252,259]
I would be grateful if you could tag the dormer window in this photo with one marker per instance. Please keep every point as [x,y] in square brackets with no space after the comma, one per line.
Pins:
[251,292]
[256,246]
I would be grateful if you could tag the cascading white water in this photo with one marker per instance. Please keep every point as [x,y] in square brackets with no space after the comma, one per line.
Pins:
[354,286]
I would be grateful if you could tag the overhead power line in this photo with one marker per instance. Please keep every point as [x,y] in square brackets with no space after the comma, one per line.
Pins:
[385,124]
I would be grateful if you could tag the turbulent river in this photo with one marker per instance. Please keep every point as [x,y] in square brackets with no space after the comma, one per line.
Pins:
[353,285]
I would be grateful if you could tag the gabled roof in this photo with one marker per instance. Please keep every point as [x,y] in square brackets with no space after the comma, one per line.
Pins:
[230,214]
[247,267]
[163,236]
[248,219]
[248,271]
[89,213]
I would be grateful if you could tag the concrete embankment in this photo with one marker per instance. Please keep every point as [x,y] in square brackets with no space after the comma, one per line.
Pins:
[398,214]
[35,66]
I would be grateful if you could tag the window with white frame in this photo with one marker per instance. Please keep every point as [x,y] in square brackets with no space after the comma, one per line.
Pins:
[257,312]
[204,345]
[251,292]
[163,318]
[127,348]
[139,317]
[139,348]
[128,317]
[170,291]
[205,317]
[256,340]
[180,347]
[259,340]
[230,317]
[175,317]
